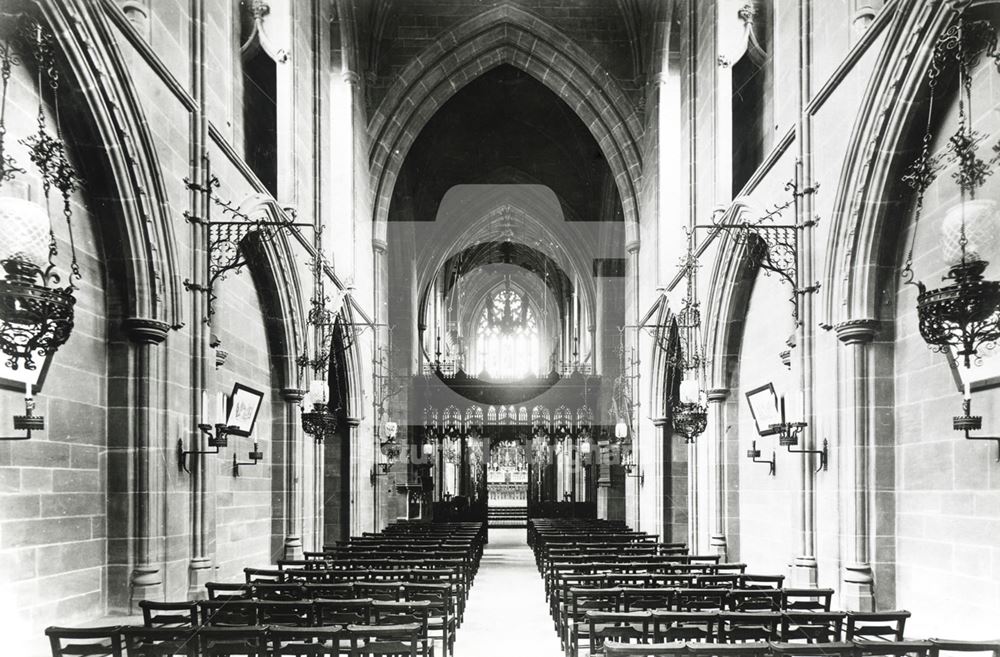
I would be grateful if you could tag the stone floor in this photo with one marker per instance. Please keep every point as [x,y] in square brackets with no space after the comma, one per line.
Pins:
[506,615]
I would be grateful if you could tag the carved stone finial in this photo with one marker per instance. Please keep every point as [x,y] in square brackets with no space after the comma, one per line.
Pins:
[855,331]
[747,13]
[145,331]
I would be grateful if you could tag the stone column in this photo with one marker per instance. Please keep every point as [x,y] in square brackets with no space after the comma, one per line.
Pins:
[717,408]
[858,592]
[294,460]
[148,454]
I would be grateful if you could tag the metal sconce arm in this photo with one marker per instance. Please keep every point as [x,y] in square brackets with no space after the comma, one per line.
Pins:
[28,422]
[754,455]
[823,454]
[216,440]
[969,422]
[255,457]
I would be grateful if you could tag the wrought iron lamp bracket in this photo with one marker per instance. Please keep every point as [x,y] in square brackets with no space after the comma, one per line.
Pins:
[754,455]
[218,437]
[968,422]
[28,422]
[254,456]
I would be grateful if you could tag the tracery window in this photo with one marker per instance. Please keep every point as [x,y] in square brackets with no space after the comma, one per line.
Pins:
[507,337]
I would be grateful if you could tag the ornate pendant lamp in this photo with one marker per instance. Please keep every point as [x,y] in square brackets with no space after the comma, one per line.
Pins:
[964,315]
[36,313]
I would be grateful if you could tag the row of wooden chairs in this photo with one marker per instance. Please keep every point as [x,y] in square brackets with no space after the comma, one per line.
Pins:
[259,641]
[929,648]
[596,627]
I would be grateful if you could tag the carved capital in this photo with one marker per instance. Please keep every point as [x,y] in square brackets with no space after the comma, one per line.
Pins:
[293,395]
[145,331]
[354,422]
[717,395]
[379,246]
[857,331]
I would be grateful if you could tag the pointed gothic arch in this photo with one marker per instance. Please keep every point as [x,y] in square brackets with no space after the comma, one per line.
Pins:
[504,35]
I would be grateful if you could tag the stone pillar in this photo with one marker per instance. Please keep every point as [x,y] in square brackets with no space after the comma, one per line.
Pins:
[148,453]
[858,589]
[717,408]
[294,460]
[603,476]
[359,478]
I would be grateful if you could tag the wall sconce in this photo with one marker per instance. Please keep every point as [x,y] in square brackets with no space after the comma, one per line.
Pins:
[621,430]
[216,440]
[788,437]
[754,455]
[968,422]
[255,456]
[629,465]
[29,421]
[390,449]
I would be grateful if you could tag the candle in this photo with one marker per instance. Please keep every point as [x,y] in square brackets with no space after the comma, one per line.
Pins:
[27,389]
[205,408]
[220,408]
[783,409]
[968,389]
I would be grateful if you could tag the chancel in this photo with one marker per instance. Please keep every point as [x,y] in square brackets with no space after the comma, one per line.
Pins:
[478,328]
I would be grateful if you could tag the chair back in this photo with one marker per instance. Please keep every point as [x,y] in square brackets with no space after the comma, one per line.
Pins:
[752,626]
[748,649]
[887,625]
[296,613]
[342,612]
[169,614]
[813,626]
[877,648]
[160,641]
[623,627]
[85,642]
[617,649]
[685,626]
[378,640]
[304,641]
[754,600]
[647,599]
[329,590]
[279,591]
[228,591]
[232,642]
[806,599]
[228,613]
[385,591]
[939,646]
[828,649]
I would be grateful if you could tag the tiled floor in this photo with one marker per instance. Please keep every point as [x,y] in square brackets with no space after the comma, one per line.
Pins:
[506,615]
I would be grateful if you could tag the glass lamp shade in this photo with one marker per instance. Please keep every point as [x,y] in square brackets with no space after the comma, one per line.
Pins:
[621,430]
[318,391]
[391,429]
[585,447]
[982,225]
[24,232]
[428,449]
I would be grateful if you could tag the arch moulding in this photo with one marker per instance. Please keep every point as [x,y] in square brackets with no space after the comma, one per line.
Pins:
[504,35]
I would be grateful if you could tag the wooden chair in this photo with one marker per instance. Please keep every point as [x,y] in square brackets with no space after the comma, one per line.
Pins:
[580,602]
[754,600]
[228,613]
[618,626]
[685,626]
[939,646]
[876,648]
[615,649]
[85,642]
[342,612]
[885,625]
[806,599]
[833,649]
[304,641]
[714,581]
[748,626]
[441,623]
[169,614]
[813,626]
[380,640]
[385,612]
[292,613]
[748,649]
[160,641]
[232,642]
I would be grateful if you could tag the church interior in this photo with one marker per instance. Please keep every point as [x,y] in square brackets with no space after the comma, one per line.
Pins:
[494,327]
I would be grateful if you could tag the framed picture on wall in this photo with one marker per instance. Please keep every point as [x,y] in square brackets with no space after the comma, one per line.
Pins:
[12,379]
[985,374]
[763,403]
[244,405]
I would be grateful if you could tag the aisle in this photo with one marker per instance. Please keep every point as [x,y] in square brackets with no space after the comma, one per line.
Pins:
[506,615]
